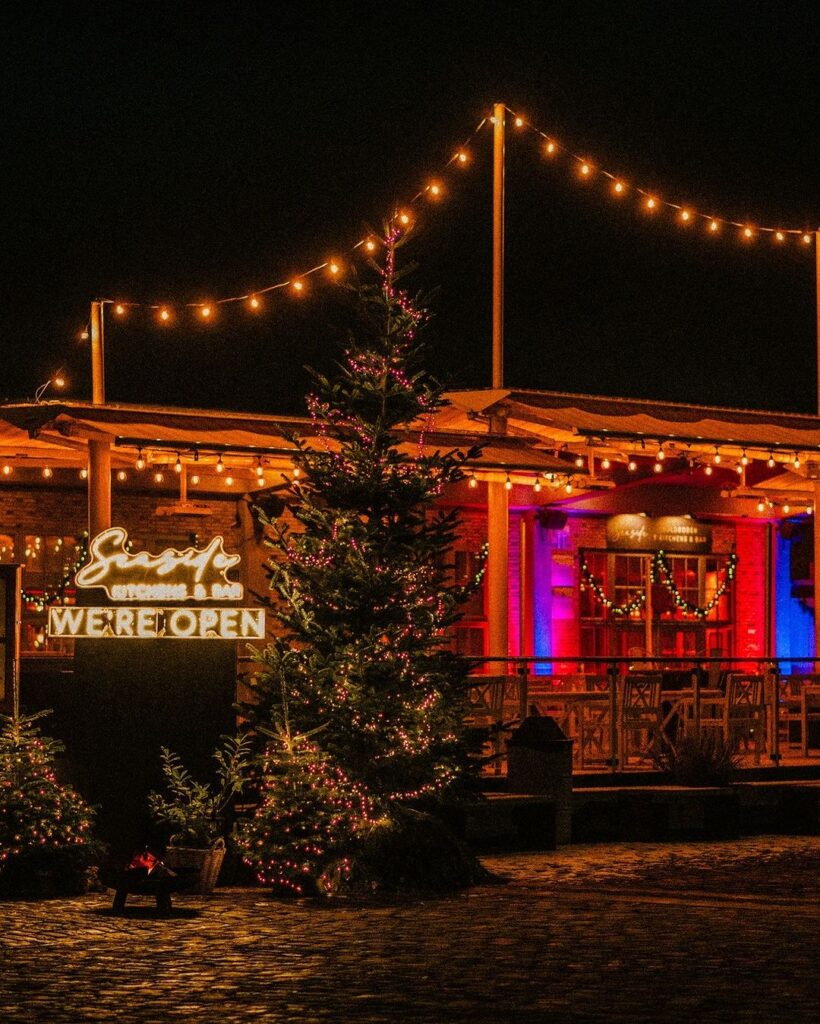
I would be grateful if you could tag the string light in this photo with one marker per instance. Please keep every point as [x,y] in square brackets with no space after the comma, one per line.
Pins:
[786,509]
[537,485]
[585,169]
[259,471]
[579,461]
[83,473]
[761,506]
[220,465]
[122,476]
[796,461]
[568,487]
[632,465]
[744,458]
[159,477]
[658,467]
[195,479]
[178,464]
[434,188]
[508,483]
[550,148]
[473,480]
[661,454]
[7,470]
[707,469]
[119,309]
[605,463]
[165,314]
[48,472]
[253,302]
[713,226]
[298,286]
[229,481]
[333,268]
[140,463]
[716,457]
[296,472]
[618,188]
[461,157]
[685,216]
[771,463]
[205,312]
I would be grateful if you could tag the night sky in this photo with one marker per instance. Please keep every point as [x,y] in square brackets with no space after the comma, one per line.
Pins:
[179,152]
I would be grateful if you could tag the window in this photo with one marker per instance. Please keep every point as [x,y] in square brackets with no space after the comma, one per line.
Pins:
[48,564]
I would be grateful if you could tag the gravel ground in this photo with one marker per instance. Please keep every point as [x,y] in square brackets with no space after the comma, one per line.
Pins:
[689,932]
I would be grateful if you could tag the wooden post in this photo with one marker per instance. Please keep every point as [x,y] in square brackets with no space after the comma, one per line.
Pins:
[499,114]
[649,640]
[497,569]
[99,452]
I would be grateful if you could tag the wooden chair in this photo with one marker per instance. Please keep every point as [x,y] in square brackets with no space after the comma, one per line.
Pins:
[741,714]
[641,717]
[593,726]
[799,706]
[495,704]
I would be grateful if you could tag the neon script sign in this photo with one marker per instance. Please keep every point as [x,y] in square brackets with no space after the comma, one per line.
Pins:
[193,574]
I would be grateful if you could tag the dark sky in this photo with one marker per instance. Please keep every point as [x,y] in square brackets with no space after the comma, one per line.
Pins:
[179,151]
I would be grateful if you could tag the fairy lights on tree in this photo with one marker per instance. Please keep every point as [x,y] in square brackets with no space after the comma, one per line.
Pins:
[364,592]
[45,827]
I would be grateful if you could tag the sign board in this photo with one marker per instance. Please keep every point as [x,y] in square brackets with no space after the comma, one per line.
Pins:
[155,582]
[679,534]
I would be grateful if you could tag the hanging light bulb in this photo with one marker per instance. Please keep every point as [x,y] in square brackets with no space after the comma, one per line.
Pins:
[119,309]
[661,454]
[48,472]
[140,463]
[713,226]
[205,312]
[178,464]
[744,458]
[333,268]
[194,479]
[605,463]
[651,203]
[83,473]
[537,485]
[7,470]
[122,475]
[807,239]
[685,216]
[739,469]
[618,188]
[159,477]
[771,463]
[519,122]
[165,314]
[434,189]
[632,465]
[253,302]
[809,510]
[748,234]
[370,245]
[508,483]
[296,472]
[259,471]
[761,506]
[796,461]
[716,458]
[220,465]
[786,509]
[658,467]
[549,148]
[298,287]
[779,236]
[229,481]
[707,469]
[585,169]
[473,481]
[568,487]
[579,461]
[461,157]
[404,218]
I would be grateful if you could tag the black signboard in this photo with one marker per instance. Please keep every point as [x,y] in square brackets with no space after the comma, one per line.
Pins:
[637,532]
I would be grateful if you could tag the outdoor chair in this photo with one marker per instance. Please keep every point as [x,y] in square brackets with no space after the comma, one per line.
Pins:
[740,715]
[799,706]
[494,705]
[641,720]
[592,725]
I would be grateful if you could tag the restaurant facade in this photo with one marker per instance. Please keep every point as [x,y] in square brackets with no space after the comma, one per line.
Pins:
[611,527]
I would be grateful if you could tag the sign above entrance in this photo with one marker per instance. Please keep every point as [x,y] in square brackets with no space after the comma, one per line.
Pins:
[665,533]
[147,623]
[193,574]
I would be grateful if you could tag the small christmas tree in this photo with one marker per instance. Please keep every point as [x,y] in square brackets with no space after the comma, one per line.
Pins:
[45,827]
[301,836]
[364,583]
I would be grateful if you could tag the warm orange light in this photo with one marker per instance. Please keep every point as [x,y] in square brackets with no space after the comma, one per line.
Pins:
[747,233]
[229,481]
[7,470]
[58,381]
[297,472]
[549,149]
[651,203]
[568,488]
[164,315]
[519,122]
[632,466]
[119,309]
[779,236]
[48,472]
[434,189]
[298,287]
[618,187]
[658,467]
[122,475]
[158,477]
[462,157]
[807,239]
[83,474]
[707,470]
[370,245]
[194,479]
[253,302]
[473,479]
[404,218]
[713,225]
[333,268]
[605,463]
[205,312]
[585,169]
[685,216]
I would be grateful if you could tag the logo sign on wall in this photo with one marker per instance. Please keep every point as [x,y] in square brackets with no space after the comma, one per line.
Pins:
[665,533]
[157,582]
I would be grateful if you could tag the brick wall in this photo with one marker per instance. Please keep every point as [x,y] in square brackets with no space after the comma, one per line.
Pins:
[750,590]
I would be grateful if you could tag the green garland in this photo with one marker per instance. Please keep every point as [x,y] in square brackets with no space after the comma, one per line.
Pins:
[660,571]
[56,595]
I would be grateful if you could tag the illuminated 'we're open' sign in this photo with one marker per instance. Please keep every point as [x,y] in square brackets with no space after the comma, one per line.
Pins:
[193,574]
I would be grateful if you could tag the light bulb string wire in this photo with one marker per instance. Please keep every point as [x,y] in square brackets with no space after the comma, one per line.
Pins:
[522,122]
[288,282]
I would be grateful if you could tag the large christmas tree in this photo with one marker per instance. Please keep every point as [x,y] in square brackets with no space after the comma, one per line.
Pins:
[45,826]
[363,580]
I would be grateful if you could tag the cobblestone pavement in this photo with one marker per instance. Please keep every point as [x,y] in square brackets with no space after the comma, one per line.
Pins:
[694,932]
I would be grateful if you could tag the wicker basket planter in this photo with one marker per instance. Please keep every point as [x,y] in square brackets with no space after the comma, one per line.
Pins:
[207,862]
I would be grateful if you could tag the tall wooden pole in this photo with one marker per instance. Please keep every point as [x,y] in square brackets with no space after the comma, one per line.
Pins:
[99,452]
[497,494]
[499,114]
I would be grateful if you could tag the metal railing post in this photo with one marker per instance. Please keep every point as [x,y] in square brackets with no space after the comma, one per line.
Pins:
[613,712]
[523,689]
[774,670]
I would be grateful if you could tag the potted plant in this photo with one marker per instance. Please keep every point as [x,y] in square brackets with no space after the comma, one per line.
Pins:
[195,811]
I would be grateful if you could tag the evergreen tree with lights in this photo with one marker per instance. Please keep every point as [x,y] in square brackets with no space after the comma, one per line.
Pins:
[45,826]
[363,586]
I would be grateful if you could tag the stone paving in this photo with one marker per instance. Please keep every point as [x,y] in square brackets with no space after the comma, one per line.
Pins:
[692,932]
